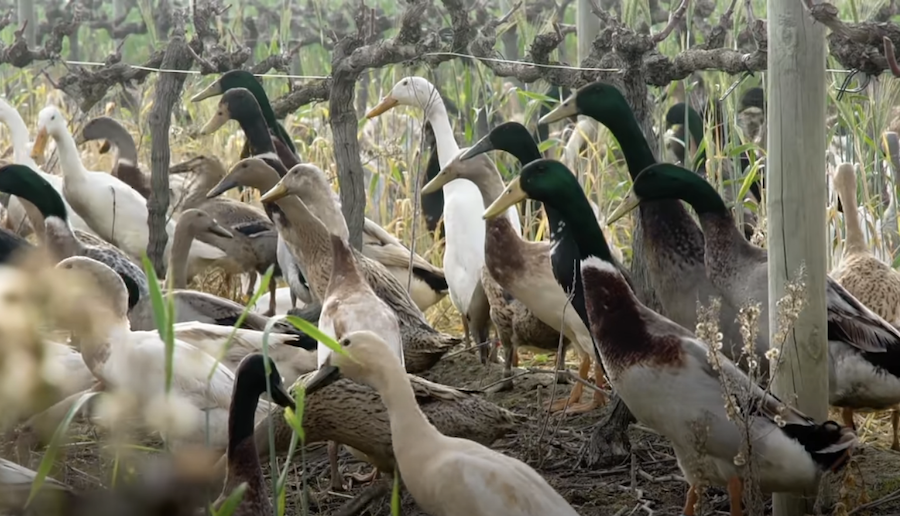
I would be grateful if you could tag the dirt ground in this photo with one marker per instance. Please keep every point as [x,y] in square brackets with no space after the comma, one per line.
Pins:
[649,483]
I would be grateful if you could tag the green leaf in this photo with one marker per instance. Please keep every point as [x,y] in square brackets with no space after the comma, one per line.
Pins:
[231,502]
[314,332]
[163,312]
[295,419]
[395,493]
[53,448]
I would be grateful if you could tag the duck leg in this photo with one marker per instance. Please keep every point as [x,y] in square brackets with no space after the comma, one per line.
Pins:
[251,285]
[895,420]
[598,399]
[337,480]
[847,416]
[273,286]
[690,502]
[577,390]
[735,494]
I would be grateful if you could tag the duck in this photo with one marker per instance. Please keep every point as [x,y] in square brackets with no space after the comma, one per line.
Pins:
[863,348]
[675,119]
[134,362]
[465,233]
[668,239]
[125,165]
[253,378]
[47,210]
[524,268]
[17,220]
[239,104]
[244,79]
[191,223]
[350,304]
[493,483]
[254,242]
[672,381]
[112,208]
[427,285]
[309,214]
[887,226]
[354,414]
[295,354]
[873,282]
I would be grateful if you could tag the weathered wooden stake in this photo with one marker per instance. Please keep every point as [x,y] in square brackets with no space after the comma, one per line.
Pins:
[796,211]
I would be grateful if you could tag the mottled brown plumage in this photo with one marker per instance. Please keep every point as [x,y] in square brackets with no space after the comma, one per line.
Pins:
[873,282]
[309,235]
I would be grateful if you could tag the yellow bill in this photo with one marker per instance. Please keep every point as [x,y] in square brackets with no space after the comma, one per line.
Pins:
[385,105]
[276,192]
[210,91]
[629,204]
[512,195]
[567,109]
[443,177]
[40,144]
[218,120]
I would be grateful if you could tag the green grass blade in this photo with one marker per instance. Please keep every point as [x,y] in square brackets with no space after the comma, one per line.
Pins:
[395,493]
[314,332]
[53,449]
[231,502]
[161,313]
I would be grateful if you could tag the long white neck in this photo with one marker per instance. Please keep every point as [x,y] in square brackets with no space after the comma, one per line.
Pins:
[69,158]
[19,135]
[436,113]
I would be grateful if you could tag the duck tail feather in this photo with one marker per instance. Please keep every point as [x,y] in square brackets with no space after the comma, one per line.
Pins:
[829,444]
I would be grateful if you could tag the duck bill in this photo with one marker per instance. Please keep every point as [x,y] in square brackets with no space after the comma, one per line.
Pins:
[224,185]
[40,144]
[443,177]
[212,90]
[567,109]
[217,121]
[325,376]
[629,204]
[385,105]
[80,140]
[512,195]
[216,229]
[484,145]
[281,396]
[276,192]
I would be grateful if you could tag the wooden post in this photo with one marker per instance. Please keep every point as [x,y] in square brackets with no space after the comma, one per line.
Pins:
[796,204]
[28,14]
[587,25]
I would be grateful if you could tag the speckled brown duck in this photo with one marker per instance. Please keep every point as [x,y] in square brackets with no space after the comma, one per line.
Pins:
[524,269]
[308,234]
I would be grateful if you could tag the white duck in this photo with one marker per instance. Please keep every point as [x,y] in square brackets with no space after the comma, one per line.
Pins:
[465,230]
[18,132]
[115,211]
[134,362]
[489,482]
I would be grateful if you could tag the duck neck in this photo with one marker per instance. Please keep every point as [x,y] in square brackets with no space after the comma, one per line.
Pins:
[308,238]
[18,133]
[410,429]
[243,458]
[724,246]
[70,160]
[854,242]
[625,128]
[60,237]
[257,133]
[436,113]
[178,255]
[126,150]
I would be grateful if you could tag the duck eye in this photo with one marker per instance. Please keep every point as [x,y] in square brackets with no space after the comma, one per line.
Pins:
[345,343]
[404,83]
